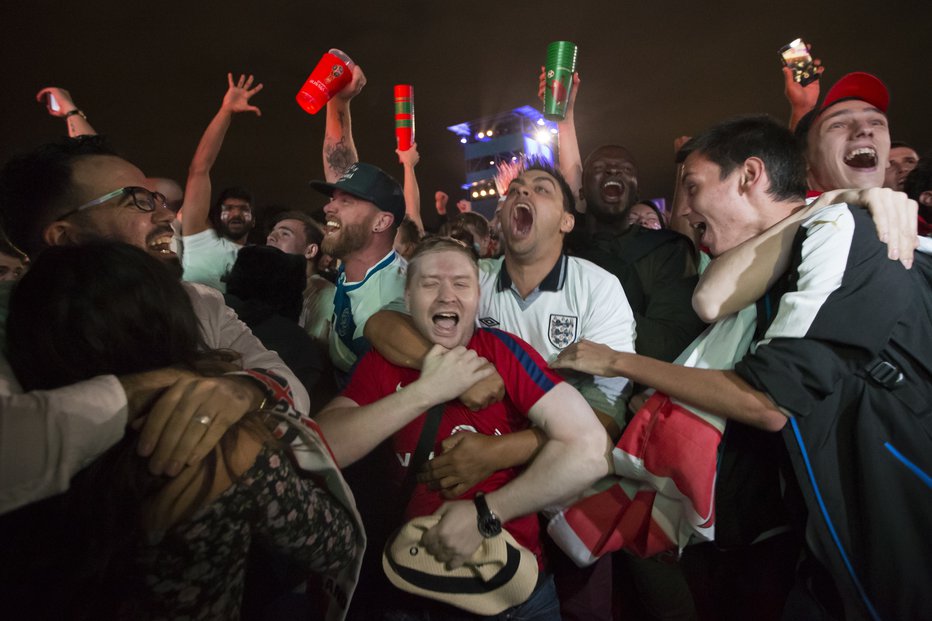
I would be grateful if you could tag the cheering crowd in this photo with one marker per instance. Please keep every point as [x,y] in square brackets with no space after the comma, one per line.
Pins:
[587,406]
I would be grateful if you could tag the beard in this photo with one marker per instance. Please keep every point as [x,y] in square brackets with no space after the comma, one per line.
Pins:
[350,238]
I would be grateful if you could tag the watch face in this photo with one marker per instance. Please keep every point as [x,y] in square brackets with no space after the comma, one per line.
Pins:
[489,526]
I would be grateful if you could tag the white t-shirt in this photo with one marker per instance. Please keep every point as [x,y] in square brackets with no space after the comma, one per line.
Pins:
[208,258]
[576,300]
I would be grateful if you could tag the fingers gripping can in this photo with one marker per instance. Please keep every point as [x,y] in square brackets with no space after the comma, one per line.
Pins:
[332,73]
[404,116]
[558,76]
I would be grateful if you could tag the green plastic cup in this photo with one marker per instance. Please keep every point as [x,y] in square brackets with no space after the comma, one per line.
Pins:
[558,75]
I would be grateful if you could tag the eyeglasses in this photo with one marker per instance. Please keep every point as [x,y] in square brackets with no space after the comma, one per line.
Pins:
[143,200]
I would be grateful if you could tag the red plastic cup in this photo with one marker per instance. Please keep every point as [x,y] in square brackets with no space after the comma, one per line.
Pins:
[404,116]
[330,76]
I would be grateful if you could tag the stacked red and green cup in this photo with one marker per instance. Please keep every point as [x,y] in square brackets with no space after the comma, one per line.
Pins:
[404,116]
[558,72]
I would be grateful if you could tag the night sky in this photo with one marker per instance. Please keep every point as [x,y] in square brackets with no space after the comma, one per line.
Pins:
[151,76]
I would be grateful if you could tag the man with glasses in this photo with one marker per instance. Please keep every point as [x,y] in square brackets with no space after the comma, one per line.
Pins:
[72,193]
[212,237]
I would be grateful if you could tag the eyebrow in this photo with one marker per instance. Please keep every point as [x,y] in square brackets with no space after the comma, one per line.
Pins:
[543,177]
[849,112]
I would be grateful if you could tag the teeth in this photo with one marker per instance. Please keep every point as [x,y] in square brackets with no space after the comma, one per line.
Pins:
[161,244]
[862,151]
[333,224]
[612,184]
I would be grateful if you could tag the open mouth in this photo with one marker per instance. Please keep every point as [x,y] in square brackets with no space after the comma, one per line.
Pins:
[332,226]
[162,245]
[864,157]
[701,228]
[522,219]
[446,321]
[612,191]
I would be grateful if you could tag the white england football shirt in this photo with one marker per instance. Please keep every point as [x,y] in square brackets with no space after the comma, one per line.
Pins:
[576,300]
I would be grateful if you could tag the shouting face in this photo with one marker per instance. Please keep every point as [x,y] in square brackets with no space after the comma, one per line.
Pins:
[610,183]
[443,296]
[119,218]
[533,217]
[350,221]
[717,207]
[848,147]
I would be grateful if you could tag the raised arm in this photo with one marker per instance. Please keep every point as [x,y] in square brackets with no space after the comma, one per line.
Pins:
[339,148]
[59,103]
[197,192]
[743,274]
[802,99]
[570,160]
[353,431]
[409,159]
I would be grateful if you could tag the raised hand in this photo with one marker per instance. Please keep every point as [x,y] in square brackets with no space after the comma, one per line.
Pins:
[62,98]
[571,102]
[354,87]
[238,95]
[802,98]
[410,157]
[440,202]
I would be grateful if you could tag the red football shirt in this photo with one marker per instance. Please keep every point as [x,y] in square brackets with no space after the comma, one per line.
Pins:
[526,379]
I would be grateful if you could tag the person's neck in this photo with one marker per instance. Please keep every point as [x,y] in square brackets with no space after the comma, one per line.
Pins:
[596,224]
[527,272]
[613,225]
[778,211]
[356,264]
[239,241]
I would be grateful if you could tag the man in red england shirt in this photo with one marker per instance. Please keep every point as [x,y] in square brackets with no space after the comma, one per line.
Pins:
[386,401]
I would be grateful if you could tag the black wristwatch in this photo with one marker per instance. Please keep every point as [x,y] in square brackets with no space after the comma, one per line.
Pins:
[488,522]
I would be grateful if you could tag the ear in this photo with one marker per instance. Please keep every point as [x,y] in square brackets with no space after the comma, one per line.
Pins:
[567,222]
[925,198]
[60,233]
[753,172]
[383,222]
[311,251]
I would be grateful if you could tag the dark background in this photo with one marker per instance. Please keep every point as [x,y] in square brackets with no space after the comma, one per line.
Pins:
[151,76]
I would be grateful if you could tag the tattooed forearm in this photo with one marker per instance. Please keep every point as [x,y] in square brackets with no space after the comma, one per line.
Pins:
[338,156]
